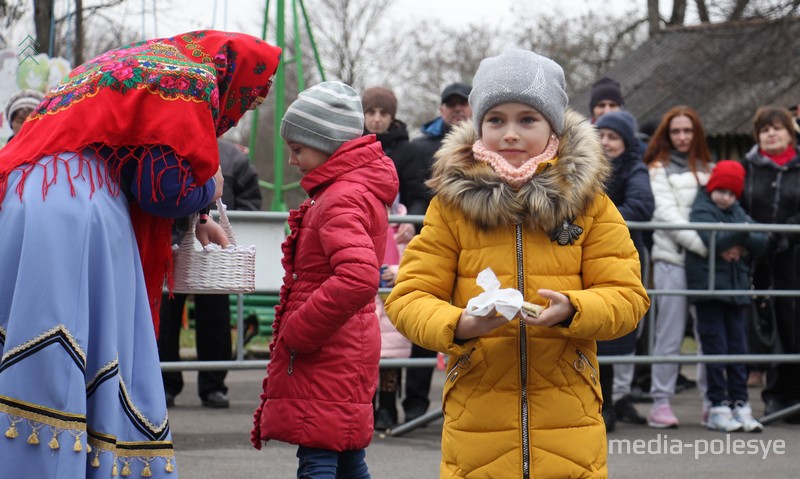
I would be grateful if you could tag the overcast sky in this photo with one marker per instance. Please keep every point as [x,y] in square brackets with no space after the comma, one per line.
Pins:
[243,15]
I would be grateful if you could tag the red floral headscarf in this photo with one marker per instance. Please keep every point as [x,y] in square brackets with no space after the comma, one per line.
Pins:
[181,92]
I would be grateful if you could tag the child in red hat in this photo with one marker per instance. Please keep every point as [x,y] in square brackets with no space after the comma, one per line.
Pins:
[721,319]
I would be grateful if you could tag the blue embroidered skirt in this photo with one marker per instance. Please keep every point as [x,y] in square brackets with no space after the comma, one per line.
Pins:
[80,386]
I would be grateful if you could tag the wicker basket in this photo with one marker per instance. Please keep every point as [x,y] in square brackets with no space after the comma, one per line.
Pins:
[214,271]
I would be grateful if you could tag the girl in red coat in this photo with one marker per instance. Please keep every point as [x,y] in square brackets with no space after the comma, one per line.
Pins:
[325,350]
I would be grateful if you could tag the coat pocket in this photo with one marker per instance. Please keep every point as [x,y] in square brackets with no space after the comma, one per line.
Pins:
[463,374]
[581,371]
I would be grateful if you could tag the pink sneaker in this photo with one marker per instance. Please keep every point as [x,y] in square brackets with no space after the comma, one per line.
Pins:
[662,417]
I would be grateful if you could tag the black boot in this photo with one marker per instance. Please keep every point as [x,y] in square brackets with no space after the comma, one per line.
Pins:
[625,411]
[610,418]
[386,415]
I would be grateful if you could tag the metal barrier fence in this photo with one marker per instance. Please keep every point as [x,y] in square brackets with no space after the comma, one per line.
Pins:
[254,221]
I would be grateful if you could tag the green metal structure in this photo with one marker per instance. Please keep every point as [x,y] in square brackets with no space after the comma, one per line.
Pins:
[279,89]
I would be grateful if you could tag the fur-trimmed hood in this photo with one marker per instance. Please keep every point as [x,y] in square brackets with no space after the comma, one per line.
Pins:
[561,189]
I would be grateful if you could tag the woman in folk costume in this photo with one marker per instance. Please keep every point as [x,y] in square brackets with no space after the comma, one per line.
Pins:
[123,145]
[520,191]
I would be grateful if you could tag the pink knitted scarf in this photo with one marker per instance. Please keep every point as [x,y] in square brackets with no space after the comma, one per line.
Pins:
[513,176]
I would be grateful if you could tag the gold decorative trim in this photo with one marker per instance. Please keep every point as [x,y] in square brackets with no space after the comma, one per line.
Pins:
[111,365]
[47,334]
[129,449]
[155,429]
[78,424]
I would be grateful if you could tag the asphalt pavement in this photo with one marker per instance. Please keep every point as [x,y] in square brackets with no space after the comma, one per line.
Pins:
[215,443]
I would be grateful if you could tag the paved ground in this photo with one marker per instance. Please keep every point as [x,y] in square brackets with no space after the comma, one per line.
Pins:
[214,444]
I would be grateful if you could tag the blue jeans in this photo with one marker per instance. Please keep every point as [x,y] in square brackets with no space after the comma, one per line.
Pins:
[325,464]
[722,331]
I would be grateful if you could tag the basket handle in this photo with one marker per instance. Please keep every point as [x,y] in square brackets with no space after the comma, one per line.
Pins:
[187,243]
[224,222]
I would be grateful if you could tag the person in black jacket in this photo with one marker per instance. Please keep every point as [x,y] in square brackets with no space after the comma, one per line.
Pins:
[772,195]
[454,109]
[629,189]
[212,311]
[380,108]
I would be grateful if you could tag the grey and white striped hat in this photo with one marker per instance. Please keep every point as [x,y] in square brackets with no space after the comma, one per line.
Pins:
[324,117]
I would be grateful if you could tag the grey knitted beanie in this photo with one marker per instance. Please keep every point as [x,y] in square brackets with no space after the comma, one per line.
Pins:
[520,76]
[324,117]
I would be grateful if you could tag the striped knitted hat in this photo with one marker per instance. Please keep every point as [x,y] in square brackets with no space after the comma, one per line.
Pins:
[22,99]
[324,117]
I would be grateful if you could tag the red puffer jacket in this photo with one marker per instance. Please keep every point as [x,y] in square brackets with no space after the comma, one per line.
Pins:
[323,370]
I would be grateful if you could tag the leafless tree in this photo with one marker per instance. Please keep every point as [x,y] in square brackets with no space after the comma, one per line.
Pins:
[653,17]
[344,29]
[10,14]
[69,29]
[718,11]
[678,12]
[584,46]
[419,60]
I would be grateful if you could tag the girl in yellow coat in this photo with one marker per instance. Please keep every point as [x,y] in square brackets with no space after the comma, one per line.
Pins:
[520,190]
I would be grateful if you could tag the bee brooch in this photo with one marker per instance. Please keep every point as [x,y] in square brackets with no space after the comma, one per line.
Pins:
[567,233]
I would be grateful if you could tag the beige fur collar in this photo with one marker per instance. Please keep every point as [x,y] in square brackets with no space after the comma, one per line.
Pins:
[561,190]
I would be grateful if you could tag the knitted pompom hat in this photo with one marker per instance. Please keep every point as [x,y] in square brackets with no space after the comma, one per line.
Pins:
[324,117]
[727,175]
[520,76]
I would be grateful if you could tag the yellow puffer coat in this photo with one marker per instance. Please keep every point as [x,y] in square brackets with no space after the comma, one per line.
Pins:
[521,398]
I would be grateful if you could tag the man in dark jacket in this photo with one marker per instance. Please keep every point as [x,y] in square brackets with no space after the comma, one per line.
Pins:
[212,311]
[453,109]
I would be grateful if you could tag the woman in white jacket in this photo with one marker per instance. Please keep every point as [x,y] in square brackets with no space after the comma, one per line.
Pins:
[679,162]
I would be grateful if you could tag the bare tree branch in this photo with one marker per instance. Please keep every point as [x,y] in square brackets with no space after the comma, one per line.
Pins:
[9,15]
[89,11]
[345,28]
[738,10]
[612,48]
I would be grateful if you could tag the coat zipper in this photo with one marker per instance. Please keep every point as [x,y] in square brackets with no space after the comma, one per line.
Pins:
[463,362]
[290,369]
[523,373]
[581,363]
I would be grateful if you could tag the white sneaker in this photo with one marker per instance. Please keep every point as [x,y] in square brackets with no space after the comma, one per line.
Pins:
[720,418]
[743,413]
